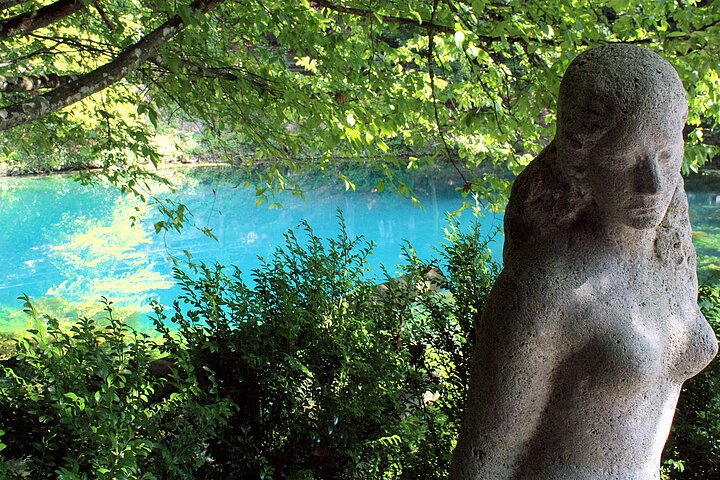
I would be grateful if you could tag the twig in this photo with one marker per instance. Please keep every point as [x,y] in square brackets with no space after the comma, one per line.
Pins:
[431,72]
[103,15]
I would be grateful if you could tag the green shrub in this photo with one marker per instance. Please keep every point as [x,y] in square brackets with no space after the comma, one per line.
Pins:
[313,371]
[83,405]
[333,377]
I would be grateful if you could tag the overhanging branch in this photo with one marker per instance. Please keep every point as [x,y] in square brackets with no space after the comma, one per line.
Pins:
[429,26]
[32,83]
[126,62]
[103,15]
[227,73]
[42,17]
[385,18]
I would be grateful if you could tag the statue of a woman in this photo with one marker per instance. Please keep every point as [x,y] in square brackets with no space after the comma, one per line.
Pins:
[593,325]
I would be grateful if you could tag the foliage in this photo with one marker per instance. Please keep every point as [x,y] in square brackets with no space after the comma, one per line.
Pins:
[467,82]
[693,449]
[441,344]
[333,376]
[314,371]
[84,404]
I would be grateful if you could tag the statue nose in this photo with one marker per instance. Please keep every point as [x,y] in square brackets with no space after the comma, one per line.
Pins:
[648,175]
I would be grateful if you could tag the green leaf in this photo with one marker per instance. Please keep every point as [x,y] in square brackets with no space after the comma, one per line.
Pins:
[459,38]
[152,116]
[72,396]
[479,6]
[619,5]
[173,62]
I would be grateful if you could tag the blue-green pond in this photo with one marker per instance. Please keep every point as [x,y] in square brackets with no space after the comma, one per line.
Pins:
[66,245]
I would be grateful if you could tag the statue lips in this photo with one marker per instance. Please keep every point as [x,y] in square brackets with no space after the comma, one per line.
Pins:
[643,205]
[645,209]
[642,201]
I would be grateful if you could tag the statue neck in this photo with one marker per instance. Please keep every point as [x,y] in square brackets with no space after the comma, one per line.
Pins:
[628,241]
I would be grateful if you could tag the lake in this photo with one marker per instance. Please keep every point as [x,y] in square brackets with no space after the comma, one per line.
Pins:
[704,197]
[66,245]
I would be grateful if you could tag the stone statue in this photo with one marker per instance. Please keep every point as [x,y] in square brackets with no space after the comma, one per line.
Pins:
[593,324]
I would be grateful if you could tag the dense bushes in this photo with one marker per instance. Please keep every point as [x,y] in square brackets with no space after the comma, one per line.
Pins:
[333,376]
[84,404]
[312,371]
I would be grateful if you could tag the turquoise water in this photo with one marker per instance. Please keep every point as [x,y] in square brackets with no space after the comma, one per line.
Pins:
[67,245]
[704,197]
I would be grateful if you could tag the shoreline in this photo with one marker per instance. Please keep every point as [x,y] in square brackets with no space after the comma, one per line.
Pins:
[709,169]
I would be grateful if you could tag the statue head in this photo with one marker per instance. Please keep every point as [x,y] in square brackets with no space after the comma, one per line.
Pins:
[617,152]
[621,112]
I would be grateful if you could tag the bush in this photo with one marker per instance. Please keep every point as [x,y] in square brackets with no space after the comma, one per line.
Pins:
[313,371]
[84,404]
[333,376]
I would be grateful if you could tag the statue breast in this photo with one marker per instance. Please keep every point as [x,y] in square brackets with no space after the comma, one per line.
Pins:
[641,328]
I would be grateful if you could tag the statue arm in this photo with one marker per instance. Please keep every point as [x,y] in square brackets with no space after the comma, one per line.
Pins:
[518,347]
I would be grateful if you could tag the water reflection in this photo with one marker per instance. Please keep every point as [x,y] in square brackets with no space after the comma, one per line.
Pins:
[106,256]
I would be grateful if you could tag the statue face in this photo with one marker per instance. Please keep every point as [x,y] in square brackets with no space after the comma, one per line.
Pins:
[633,172]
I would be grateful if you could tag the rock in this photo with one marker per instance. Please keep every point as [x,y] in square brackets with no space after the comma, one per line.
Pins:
[402,291]
[161,367]
[593,325]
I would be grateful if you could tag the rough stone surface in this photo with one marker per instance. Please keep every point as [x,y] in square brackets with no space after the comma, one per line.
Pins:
[593,325]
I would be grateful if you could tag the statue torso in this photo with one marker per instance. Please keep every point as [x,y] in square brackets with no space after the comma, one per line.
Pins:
[624,334]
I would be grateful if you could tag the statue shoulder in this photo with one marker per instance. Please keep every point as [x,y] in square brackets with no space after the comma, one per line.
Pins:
[537,299]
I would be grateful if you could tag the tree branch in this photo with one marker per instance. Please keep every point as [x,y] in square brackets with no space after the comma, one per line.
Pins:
[427,25]
[125,63]
[104,16]
[433,94]
[42,17]
[32,83]
[230,74]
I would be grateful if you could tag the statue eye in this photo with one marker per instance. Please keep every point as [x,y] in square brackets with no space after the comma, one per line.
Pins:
[669,155]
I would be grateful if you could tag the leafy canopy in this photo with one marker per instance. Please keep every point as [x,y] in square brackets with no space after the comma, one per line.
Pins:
[472,83]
